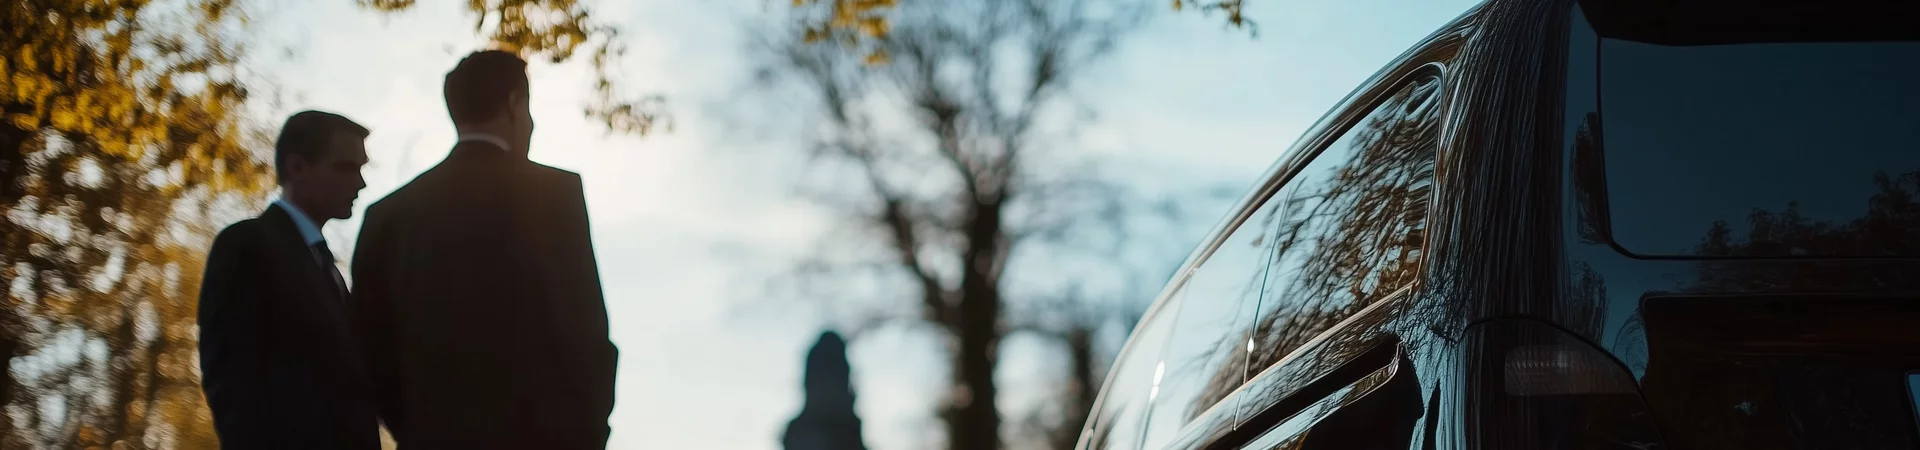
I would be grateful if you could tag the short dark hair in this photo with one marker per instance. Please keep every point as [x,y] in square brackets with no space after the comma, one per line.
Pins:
[309,134]
[478,88]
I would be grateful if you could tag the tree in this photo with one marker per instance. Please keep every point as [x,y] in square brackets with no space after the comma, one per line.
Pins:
[556,29]
[1076,329]
[935,146]
[851,20]
[122,142]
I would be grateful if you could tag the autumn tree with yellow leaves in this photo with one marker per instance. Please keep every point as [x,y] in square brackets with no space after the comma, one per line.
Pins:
[122,143]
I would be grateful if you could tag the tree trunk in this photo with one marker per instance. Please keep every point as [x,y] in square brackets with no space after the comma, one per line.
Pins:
[155,382]
[1080,387]
[975,420]
[120,418]
[9,347]
[13,170]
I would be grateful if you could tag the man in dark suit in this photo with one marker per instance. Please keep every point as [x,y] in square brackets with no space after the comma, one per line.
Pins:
[478,290]
[279,361]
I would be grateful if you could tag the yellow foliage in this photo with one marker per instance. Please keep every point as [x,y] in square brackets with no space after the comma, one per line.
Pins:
[874,26]
[71,101]
[867,18]
[877,57]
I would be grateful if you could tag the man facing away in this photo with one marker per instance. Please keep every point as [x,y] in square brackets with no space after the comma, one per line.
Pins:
[478,291]
[280,364]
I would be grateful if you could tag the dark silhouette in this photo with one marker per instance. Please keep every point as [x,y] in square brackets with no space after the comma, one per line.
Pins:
[281,366]
[827,420]
[478,290]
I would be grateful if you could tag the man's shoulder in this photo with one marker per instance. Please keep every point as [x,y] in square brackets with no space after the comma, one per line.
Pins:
[544,183]
[439,182]
[246,237]
[379,207]
[401,197]
[555,171]
[246,230]
[553,174]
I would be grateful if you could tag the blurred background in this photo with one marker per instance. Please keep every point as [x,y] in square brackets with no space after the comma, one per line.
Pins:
[980,197]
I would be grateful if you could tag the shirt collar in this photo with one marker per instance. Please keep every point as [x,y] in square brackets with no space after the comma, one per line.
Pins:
[483,137]
[309,231]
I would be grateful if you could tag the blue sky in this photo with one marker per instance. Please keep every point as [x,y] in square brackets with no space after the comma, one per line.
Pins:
[689,224]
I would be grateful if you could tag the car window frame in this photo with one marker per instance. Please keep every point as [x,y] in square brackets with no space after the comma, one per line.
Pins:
[1195,434]
[1430,55]
[1440,73]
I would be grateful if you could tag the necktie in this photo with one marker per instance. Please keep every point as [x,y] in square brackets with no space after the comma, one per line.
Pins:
[326,261]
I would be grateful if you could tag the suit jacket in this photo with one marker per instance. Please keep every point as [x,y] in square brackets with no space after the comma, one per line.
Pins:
[279,362]
[480,299]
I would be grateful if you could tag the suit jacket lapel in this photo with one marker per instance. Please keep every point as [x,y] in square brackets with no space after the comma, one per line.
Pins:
[316,277]
[312,290]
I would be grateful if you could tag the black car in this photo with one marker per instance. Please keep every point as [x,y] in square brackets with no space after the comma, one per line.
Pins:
[1568,224]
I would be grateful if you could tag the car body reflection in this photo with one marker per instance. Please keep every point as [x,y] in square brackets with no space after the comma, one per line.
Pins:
[1580,224]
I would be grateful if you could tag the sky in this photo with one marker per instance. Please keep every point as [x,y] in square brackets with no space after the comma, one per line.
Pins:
[690,224]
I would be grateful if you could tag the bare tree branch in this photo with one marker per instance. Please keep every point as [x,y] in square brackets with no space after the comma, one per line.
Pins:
[933,296]
[948,199]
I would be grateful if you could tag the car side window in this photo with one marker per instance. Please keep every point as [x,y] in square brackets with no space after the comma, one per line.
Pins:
[1120,421]
[1206,357]
[1351,226]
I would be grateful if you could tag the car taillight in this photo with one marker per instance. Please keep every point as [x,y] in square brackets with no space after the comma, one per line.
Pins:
[1535,387]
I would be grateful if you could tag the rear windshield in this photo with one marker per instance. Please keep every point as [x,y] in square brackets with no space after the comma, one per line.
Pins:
[1778,149]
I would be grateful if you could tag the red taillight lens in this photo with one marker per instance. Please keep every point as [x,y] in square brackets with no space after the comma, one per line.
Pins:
[1536,387]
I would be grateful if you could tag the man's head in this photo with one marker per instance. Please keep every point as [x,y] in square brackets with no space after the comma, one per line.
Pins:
[487,93]
[318,158]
